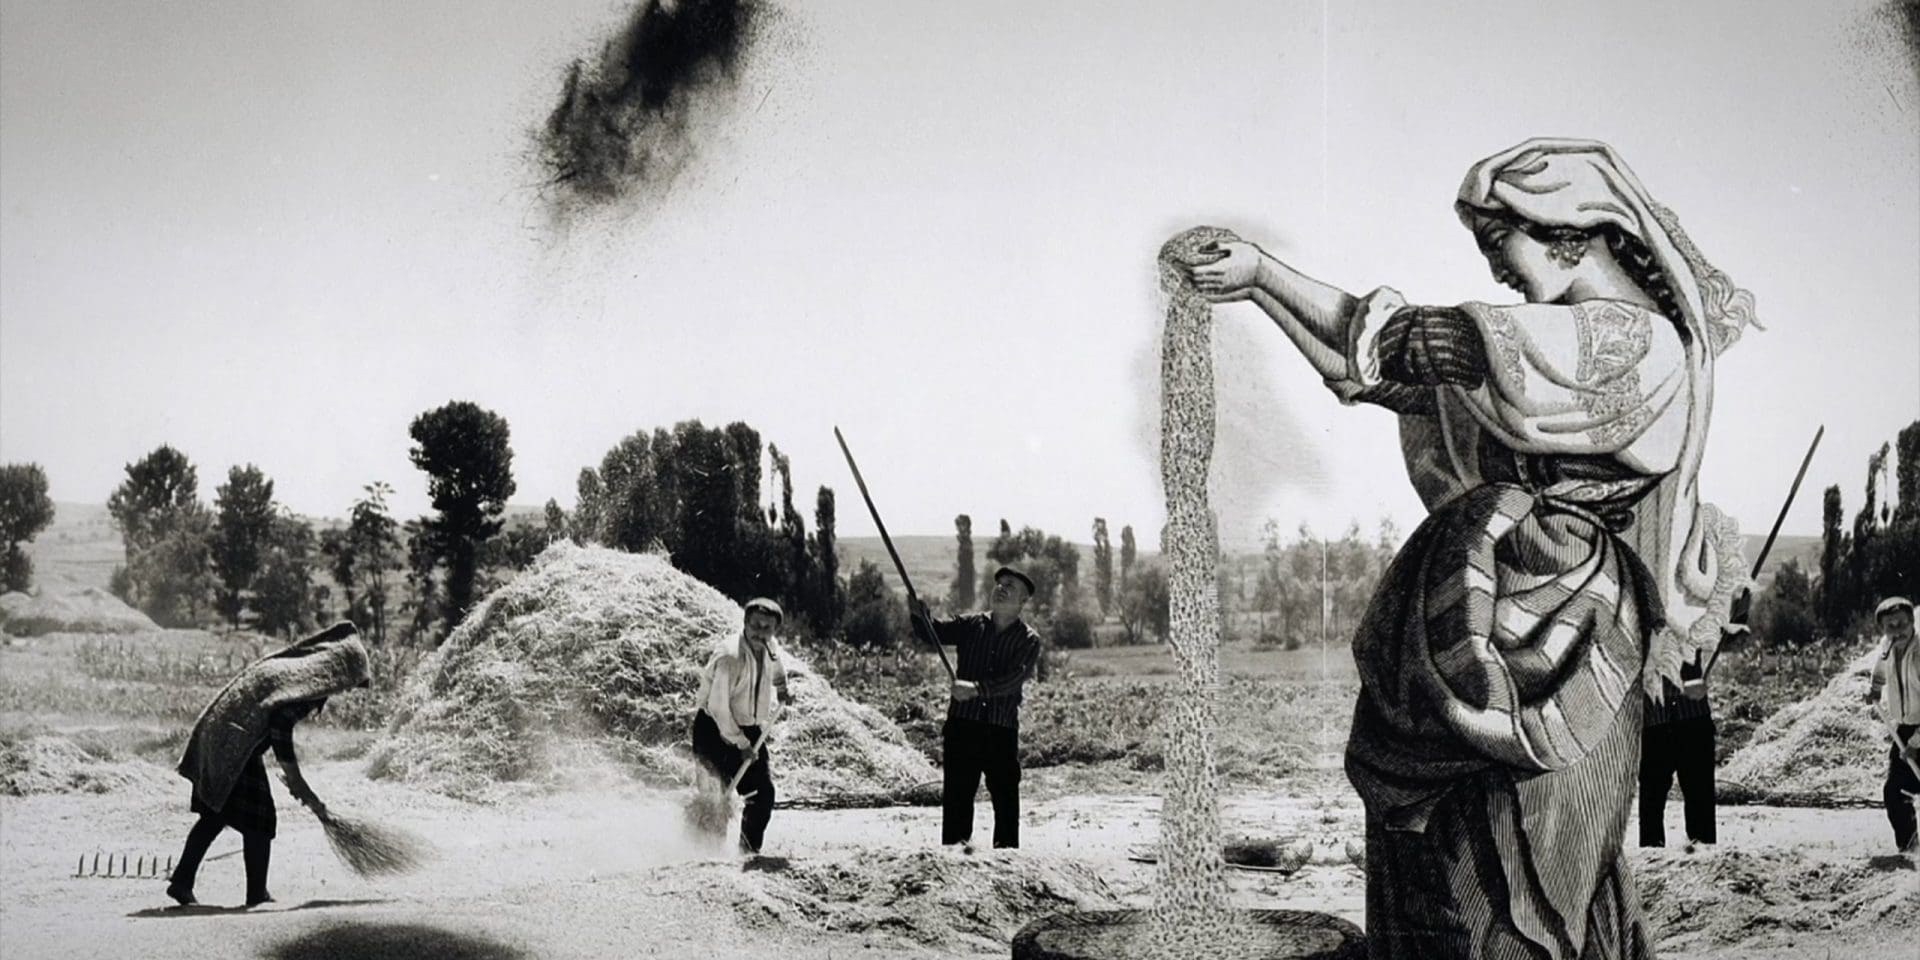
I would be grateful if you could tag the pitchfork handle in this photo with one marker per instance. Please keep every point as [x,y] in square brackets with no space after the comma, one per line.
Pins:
[753,754]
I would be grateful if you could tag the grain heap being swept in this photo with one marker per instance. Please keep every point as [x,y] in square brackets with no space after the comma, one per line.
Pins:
[590,660]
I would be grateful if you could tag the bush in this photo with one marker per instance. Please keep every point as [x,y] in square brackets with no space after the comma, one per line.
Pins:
[1072,630]
[875,615]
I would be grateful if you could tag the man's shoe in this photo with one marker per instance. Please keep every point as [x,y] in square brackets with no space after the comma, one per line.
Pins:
[256,901]
[181,895]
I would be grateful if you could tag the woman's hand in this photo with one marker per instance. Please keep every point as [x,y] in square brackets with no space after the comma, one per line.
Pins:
[1230,272]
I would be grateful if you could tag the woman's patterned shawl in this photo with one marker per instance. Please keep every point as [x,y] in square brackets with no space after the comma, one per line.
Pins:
[1600,377]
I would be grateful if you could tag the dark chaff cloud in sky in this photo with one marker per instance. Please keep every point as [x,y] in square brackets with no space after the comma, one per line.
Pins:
[624,120]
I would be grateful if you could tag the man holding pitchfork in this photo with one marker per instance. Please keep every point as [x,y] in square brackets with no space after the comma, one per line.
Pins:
[737,696]
[1896,687]
[996,652]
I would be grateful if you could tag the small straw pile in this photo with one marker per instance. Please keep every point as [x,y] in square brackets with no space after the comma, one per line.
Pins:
[711,808]
[370,849]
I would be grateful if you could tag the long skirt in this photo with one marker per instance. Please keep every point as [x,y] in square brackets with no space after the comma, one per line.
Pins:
[1496,739]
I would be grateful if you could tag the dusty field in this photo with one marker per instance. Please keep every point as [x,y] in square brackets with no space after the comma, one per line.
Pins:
[603,870]
[606,873]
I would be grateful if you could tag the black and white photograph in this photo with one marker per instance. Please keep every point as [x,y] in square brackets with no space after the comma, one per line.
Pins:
[1095,480]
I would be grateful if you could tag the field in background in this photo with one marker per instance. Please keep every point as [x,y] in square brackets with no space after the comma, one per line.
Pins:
[81,549]
[165,679]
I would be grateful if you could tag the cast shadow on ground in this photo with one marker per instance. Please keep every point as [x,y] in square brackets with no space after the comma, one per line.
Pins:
[211,910]
[1891,861]
[765,865]
[176,912]
[389,941]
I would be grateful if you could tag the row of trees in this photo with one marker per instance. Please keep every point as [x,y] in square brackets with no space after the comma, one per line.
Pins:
[1059,603]
[694,493]
[1876,557]
[1287,594]
[247,559]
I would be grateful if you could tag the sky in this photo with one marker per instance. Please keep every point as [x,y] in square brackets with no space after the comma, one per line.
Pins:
[275,233]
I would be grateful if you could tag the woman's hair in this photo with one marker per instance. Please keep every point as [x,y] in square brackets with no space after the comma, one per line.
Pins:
[1633,256]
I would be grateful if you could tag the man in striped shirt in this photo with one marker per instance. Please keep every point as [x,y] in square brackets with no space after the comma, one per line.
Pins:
[996,652]
[1896,685]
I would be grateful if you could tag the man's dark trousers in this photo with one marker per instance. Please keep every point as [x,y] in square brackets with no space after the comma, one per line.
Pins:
[972,749]
[1683,748]
[1900,781]
[724,760]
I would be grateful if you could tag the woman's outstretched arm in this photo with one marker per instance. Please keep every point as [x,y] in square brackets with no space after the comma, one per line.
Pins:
[1314,315]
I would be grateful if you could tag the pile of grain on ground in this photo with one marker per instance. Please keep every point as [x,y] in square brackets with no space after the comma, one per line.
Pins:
[1829,746]
[1719,897]
[52,763]
[89,610]
[932,898]
[591,660]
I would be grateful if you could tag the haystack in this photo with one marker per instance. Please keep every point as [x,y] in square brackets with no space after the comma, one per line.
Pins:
[90,610]
[52,763]
[1828,748]
[589,661]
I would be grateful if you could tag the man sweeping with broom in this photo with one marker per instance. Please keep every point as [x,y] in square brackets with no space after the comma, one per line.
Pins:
[257,710]
[737,698]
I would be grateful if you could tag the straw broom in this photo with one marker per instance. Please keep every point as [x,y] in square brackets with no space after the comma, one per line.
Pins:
[370,849]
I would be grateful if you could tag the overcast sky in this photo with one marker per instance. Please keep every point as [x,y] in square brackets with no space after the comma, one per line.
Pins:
[274,233]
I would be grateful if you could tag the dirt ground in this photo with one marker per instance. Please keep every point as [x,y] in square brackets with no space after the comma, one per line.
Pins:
[609,873]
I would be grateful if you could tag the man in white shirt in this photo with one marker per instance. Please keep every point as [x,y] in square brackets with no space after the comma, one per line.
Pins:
[737,695]
[1896,688]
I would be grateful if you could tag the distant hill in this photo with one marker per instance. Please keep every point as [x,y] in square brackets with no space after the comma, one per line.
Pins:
[1804,550]
[930,560]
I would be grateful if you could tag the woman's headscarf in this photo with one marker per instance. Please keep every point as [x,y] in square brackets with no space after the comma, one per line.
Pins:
[1584,184]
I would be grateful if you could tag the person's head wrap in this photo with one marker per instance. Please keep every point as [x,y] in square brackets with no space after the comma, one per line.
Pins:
[1584,184]
[326,663]
[1891,604]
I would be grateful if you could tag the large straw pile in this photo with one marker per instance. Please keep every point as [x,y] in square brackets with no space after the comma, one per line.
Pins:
[590,660]
[1828,749]
[90,610]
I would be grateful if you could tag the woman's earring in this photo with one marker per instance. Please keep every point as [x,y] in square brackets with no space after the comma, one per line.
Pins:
[1567,253]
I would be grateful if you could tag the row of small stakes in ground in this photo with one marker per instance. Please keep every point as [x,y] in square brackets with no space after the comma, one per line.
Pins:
[144,868]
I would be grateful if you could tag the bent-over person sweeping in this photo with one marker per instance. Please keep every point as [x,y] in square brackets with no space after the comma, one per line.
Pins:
[257,710]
